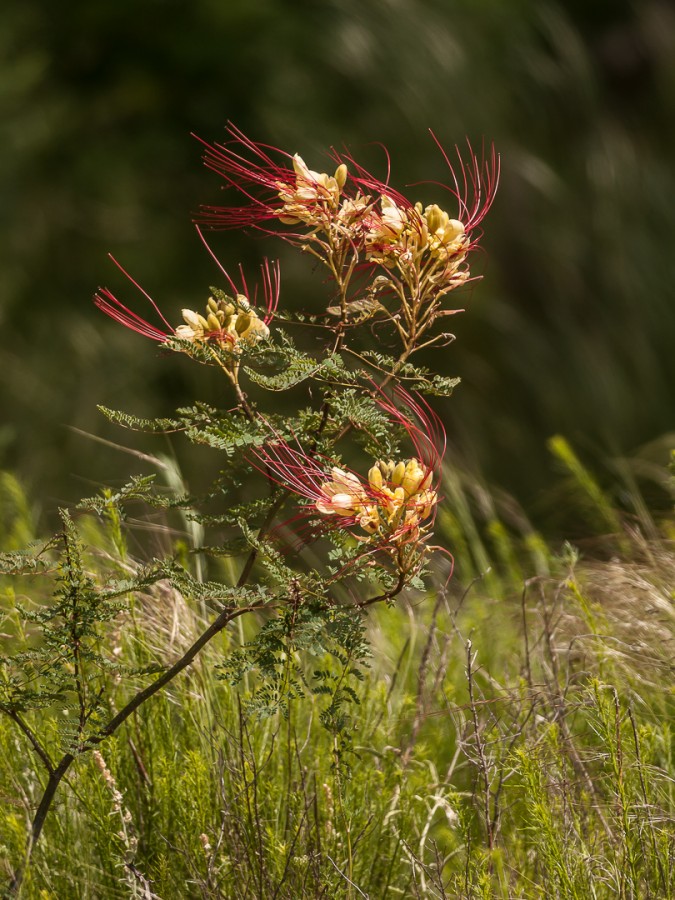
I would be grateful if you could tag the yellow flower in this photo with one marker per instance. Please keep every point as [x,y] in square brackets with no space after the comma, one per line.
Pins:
[393,503]
[446,235]
[226,323]
[396,234]
[312,192]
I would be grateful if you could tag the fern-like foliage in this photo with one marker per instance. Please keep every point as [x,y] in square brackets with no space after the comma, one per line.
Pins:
[62,653]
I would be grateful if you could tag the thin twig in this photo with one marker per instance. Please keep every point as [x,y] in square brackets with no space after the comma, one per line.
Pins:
[348,880]
[483,765]
[30,734]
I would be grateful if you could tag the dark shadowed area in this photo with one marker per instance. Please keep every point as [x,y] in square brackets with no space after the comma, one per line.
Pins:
[571,331]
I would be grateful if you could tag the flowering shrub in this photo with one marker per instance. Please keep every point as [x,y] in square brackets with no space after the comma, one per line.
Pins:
[355,471]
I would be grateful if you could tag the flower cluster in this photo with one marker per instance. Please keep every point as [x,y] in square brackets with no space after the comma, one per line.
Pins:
[230,322]
[412,238]
[352,221]
[314,198]
[393,503]
[391,260]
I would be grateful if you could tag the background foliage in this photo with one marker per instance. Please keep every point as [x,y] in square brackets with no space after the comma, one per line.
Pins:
[514,739]
[571,333]
[541,752]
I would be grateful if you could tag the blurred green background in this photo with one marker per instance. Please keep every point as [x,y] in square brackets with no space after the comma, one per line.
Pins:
[572,331]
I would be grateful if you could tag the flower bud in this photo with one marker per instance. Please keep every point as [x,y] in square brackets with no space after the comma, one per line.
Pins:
[398,473]
[213,322]
[341,175]
[256,330]
[412,477]
[386,468]
[342,502]
[300,166]
[191,318]
[435,217]
[185,333]
[375,477]
[457,226]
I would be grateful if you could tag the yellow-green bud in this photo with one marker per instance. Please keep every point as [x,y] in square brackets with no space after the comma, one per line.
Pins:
[214,322]
[341,175]
[251,327]
[425,483]
[375,477]
[435,217]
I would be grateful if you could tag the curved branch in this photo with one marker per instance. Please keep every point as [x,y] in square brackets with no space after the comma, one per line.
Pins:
[30,734]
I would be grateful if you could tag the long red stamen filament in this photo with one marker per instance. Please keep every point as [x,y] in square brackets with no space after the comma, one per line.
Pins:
[144,292]
[111,306]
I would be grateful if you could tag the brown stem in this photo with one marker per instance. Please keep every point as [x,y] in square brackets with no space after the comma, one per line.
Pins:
[56,774]
[55,778]
[224,618]
[241,396]
[388,595]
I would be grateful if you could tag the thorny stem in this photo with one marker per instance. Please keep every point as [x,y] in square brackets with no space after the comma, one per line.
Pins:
[55,778]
